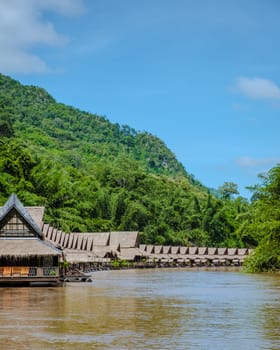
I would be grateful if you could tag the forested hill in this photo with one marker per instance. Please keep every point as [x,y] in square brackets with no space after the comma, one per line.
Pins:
[39,119]
[93,175]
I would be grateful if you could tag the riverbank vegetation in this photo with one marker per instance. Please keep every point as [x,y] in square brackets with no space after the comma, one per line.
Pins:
[262,223]
[93,175]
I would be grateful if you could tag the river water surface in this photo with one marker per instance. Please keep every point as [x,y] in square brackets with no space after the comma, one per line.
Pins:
[145,309]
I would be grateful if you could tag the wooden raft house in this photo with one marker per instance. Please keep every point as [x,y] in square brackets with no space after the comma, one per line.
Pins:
[25,257]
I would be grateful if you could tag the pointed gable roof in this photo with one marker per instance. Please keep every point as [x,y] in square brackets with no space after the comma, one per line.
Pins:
[15,204]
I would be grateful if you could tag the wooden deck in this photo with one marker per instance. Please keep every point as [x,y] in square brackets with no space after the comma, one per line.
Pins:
[28,281]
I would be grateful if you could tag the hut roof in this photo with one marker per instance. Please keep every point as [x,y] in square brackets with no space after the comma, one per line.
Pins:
[73,255]
[150,249]
[143,247]
[166,249]
[242,251]
[202,250]
[232,251]
[130,253]
[212,250]
[160,256]
[101,252]
[14,204]
[193,250]
[99,238]
[222,251]
[124,239]
[37,214]
[78,256]
[158,249]
[26,247]
[184,250]
[175,250]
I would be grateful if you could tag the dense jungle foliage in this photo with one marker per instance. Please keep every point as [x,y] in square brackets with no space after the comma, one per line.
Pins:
[261,224]
[93,175]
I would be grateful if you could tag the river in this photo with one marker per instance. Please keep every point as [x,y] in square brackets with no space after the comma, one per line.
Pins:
[145,309]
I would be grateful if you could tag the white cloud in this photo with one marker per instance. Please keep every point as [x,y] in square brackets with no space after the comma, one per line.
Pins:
[22,27]
[257,88]
[249,162]
[18,61]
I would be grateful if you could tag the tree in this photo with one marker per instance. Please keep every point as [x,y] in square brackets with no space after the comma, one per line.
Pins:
[227,190]
[265,223]
[6,127]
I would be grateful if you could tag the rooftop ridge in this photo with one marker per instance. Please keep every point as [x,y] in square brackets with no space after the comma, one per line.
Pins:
[14,203]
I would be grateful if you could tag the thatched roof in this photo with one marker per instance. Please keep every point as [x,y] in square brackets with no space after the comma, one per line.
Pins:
[103,251]
[242,251]
[14,204]
[76,255]
[124,239]
[26,247]
[45,229]
[158,249]
[212,251]
[98,238]
[232,251]
[130,253]
[175,250]
[150,249]
[184,250]
[193,250]
[37,214]
[80,256]
[160,257]
[166,249]
[202,250]
[222,251]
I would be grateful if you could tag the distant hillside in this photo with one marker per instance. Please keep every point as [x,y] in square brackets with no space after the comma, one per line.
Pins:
[47,124]
[93,175]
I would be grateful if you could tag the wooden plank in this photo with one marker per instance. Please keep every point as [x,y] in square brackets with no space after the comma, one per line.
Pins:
[7,271]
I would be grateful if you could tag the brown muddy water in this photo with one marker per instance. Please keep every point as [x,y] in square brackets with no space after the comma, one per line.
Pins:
[145,309]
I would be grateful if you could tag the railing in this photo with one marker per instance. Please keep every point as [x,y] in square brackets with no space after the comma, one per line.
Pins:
[26,271]
[49,271]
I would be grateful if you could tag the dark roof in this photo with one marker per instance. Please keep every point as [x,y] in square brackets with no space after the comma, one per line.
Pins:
[14,203]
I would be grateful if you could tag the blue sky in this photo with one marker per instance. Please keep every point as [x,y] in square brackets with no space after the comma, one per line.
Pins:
[202,75]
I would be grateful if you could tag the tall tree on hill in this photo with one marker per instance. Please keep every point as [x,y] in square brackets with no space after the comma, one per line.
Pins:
[228,189]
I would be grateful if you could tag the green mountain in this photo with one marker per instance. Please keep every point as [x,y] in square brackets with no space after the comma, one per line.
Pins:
[93,175]
[40,120]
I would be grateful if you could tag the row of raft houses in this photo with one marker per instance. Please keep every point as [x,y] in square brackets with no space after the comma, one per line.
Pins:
[100,249]
[33,251]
